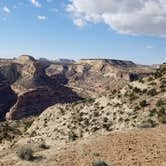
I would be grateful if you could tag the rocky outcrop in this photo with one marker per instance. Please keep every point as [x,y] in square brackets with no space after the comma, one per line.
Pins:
[34,102]
[97,76]
[30,90]
[7,100]
[9,72]
[113,62]
[33,85]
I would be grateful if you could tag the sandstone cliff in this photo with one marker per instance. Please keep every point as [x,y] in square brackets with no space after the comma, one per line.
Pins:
[29,90]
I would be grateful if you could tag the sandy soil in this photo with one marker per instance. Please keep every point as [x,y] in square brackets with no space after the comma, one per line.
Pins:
[141,147]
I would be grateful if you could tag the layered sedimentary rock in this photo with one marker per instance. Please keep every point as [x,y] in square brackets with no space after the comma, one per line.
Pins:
[97,76]
[35,101]
[30,85]
[29,90]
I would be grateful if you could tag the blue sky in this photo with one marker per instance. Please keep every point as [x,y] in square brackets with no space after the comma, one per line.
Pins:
[50,30]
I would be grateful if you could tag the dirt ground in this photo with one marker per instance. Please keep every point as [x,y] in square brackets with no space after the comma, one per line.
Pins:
[141,147]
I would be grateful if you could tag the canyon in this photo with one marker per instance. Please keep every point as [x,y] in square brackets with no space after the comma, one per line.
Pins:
[78,112]
[29,86]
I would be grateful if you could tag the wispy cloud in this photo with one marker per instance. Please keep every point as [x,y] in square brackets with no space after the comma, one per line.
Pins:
[79,23]
[36,3]
[41,17]
[6,9]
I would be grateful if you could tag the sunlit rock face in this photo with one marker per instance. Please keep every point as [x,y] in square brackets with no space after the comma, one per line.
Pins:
[26,90]
[93,77]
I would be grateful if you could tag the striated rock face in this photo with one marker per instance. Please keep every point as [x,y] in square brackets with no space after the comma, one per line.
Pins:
[34,102]
[30,85]
[29,90]
[8,72]
[97,76]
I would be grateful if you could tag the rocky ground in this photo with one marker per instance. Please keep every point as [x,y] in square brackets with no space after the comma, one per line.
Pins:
[139,147]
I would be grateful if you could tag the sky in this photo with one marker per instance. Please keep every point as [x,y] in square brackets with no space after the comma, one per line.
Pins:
[74,29]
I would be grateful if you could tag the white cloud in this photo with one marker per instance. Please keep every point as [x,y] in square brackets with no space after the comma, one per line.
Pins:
[36,3]
[145,17]
[6,9]
[79,22]
[41,17]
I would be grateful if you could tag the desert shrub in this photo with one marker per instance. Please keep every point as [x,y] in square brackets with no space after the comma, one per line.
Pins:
[28,124]
[152,112]
[120,119]
[107,126]
[150,79]
[25,153]
[117,105]
[143,103]
[136,108]
[130,87]
[132,96]
[96,114]
[105,119]
[152,83]
[101,108]
[119,95]
[141,80]
[144,90]
[8,131]
[100,163]
[162,89]
[109,104]
[162,115]
[162,119]
[114,91]
[86,122]
[159,103]
[148,124]
[137,90]
[163,82]
[152,92]
[72,136]
[159,72]
[161,111]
